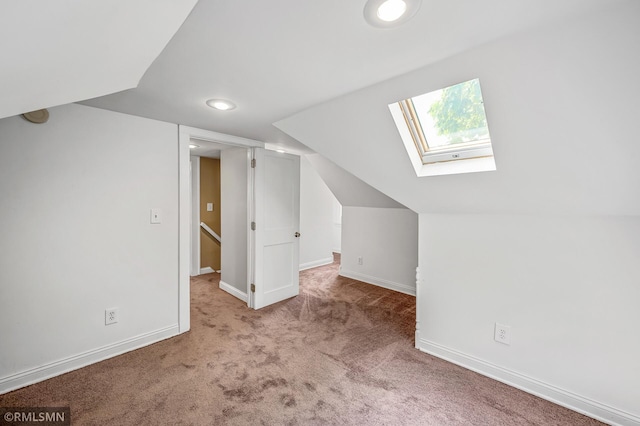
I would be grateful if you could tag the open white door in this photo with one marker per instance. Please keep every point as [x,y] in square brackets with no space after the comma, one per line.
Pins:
[277,222]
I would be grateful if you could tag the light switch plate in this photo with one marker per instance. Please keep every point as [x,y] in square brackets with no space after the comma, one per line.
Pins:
[209,207]
[156,216]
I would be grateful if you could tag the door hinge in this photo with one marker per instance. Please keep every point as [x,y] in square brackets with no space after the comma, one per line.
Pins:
[253,163]
[253,288]
[253,226]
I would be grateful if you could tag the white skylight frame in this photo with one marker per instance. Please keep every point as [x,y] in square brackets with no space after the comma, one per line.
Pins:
[461,157]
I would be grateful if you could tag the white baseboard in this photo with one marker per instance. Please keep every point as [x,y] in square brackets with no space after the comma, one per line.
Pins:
[206,270]
[316,263]
[38,374]
[233,291]
[402,288]
[570,400]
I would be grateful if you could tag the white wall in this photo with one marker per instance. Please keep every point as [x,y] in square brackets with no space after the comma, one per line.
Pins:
[77,239]
[386,240]
[336,232]
[316,218]
[234,163]
[567,286]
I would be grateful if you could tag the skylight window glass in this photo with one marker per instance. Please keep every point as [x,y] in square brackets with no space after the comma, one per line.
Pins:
[446,125]
[452,115]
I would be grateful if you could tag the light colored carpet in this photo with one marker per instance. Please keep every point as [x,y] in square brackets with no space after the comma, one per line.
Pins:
[340,353]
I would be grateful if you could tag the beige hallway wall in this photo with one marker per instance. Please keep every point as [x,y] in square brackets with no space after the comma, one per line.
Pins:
[210,249]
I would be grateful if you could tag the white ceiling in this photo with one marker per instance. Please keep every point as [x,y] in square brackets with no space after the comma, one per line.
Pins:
[207,148]
[561,104]
[277,58]
[63,51]
[348,189]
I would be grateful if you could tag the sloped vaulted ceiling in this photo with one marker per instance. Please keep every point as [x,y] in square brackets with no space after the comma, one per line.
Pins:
[348,189]
[57,52]
[274,59]
[562,107]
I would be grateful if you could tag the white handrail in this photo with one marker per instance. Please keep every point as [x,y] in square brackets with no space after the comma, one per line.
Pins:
[211,232]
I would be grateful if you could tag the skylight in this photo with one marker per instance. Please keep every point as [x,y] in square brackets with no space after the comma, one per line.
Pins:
[446,126]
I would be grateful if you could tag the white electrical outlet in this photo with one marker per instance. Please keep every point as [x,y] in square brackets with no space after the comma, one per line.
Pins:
[110,316]
[502,334]
[359,260]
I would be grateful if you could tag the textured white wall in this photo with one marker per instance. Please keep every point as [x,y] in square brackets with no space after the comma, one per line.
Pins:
[76,238]
[386,240]
[316,218]
[235,222]
[567,286]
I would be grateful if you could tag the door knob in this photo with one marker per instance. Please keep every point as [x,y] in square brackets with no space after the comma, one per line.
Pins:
[297,234]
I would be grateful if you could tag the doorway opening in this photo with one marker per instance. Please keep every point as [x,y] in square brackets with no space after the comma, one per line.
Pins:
[205,192]
[266,260]
[220,206]
[209,144]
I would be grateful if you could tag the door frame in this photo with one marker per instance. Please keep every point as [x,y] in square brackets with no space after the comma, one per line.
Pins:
[195,215]
[186,135]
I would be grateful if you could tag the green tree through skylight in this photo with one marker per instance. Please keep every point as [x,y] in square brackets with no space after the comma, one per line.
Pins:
[459,113]
[445,126]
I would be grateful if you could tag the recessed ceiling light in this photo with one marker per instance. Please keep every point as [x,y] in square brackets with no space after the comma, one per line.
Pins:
[193,146]
[391,10]
[390,13]
[221,104]
[281,151]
